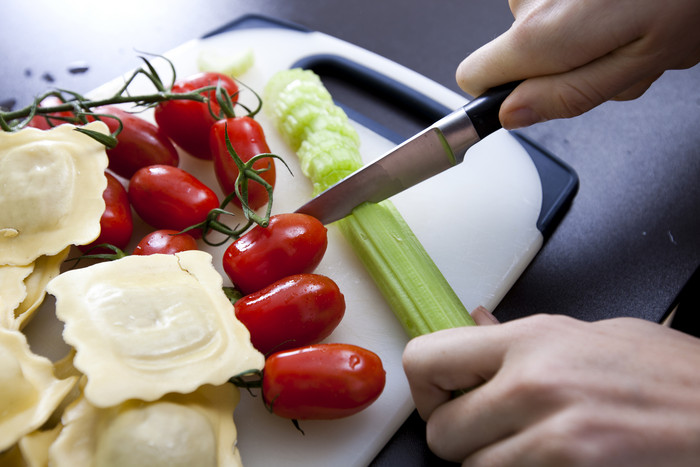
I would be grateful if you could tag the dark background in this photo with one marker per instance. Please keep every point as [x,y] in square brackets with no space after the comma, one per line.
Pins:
[629,243]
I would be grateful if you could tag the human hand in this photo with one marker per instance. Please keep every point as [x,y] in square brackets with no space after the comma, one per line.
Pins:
[552,391]
[576,55]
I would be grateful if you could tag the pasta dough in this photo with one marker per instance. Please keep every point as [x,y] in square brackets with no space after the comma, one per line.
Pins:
[144,326]
[29,391]
[177,430]
[51,185]
[22,288]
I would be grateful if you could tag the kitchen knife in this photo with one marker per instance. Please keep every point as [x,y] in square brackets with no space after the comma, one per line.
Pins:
[435,149]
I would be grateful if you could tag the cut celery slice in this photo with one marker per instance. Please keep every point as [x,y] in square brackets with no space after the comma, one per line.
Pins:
[328,150]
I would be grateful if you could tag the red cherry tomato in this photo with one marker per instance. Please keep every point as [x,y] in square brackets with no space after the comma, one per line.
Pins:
[188,122]
[45,122]
[116,223]
[322,381]
[248,140]
[290,244]
[298,310]
[168,197]
[140,143]
[165,242]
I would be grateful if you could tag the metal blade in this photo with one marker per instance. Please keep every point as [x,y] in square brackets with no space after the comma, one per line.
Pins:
[438,148]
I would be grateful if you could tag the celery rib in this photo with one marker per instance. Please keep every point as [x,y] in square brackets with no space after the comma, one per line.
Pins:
[408,278]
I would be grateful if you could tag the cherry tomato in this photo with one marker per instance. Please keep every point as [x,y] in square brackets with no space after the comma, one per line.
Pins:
[322,381]
[116,223]
[291,244]
[139,144]
[188,122]
[248,140]
[298,310]
[42,122]
[168,197]
[165,242]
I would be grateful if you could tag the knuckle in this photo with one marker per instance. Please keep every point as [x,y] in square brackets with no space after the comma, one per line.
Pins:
[411,356]
[573,439]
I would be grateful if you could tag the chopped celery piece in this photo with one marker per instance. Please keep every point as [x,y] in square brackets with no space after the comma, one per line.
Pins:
[328,149]
[308,118]
[279,81]
[337,122]
[234,64]
[327,153]
[296,94]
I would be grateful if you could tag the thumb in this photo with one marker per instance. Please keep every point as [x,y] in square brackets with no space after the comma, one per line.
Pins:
[483,317]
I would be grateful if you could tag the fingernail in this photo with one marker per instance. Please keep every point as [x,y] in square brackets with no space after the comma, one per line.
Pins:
[521,117]
[482,316]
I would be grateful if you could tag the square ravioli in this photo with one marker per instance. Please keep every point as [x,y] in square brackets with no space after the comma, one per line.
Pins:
[29,391]
[178,430]
[145,326]
[51,185]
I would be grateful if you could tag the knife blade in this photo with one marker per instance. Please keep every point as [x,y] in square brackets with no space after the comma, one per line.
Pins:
[439,147]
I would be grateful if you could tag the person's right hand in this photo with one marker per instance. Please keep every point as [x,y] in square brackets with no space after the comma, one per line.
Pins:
[578,54]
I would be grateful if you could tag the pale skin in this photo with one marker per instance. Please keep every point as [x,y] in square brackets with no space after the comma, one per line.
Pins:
[575,55]
[553,391]
[549,390]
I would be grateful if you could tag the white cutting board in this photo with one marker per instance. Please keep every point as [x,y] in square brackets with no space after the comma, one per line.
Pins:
[477,221]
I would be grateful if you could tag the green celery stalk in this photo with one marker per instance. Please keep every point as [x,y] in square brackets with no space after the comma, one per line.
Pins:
[408,278]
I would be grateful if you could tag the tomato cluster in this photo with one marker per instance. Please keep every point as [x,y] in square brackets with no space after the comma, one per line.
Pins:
[163,195]
[288,309]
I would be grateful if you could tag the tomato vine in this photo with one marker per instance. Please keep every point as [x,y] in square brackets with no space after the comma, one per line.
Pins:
[80,112]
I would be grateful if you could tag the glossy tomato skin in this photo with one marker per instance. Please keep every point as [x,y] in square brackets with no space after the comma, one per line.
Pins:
[291,244]
[139,144]
[322,381]
[116,223]
[167,197]
[296,311]
[188,122]
[165,242]
[248,140]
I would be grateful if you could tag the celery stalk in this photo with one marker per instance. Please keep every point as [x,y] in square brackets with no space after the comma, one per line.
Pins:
[409,280]
[413,286]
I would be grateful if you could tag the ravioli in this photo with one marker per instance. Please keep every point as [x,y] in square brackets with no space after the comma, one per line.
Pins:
[12,292]
[51,185]
[64,369]
[178,430]
[29,391]
[22,289]
[145,326]
[34,447]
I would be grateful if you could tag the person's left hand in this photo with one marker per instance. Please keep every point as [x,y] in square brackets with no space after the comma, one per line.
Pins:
[550,390]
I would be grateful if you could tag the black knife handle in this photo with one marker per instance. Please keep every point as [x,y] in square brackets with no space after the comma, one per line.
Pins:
[483,110]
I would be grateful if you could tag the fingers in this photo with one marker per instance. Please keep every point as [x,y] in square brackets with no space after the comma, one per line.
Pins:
[431,385]
[524,449]
[572,55]
[547,38]
[469,422]
[636,90]
[440,363]
[617,75]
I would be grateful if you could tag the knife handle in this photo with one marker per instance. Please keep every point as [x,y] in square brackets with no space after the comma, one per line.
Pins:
[483,110]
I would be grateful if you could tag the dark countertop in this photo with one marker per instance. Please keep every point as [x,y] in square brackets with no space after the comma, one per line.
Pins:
[628,244]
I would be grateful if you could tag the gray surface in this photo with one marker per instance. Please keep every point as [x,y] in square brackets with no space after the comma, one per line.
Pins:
[626,247]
